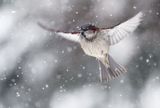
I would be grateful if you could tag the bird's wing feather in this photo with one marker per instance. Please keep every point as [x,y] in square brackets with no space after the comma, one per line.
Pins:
[72,36]
[119,32]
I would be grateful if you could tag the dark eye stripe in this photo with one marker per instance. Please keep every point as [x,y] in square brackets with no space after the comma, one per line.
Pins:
[83,34]
[89,27]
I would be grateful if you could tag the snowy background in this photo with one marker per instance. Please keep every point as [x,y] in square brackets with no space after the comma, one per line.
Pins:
[41,70]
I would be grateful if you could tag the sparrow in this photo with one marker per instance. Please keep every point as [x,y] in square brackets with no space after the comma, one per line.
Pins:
[96,42]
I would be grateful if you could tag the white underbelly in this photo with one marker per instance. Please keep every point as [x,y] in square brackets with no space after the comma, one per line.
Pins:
[97,48]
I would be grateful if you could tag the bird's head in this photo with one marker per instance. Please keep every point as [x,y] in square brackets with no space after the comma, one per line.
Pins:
[88,32]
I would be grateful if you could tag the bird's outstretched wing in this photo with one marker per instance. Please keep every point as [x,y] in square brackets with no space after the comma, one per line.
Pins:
[72,36]
[119,32]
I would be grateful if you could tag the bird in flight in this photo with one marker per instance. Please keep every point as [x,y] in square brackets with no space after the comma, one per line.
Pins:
[96,42]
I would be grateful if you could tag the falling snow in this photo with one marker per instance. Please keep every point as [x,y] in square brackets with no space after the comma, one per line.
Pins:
[79,75]
[18,94]
[77,12]
[46,86]
[40,70]
[147,60]
[121,81]
[134,7]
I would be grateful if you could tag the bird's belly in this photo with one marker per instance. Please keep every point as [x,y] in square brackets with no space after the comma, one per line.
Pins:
[96,48]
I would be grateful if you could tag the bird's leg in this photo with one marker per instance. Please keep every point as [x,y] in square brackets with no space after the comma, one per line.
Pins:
[106,60]
[100,70]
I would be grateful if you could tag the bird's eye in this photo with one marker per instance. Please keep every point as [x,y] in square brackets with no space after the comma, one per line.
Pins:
[83,34]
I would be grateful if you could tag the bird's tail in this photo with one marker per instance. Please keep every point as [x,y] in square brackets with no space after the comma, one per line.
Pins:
[111,69]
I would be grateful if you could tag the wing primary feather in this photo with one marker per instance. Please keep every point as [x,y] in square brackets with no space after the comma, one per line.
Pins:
[53,30]
[119,32]
[72,36]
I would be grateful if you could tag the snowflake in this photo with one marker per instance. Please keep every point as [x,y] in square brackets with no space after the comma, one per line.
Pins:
[73,20]
[157,78]
[83,67]
[137,66]
[43,88]
[90,74]
[13,11]
[67,70]
[61,87]
[69,49]
[155,64]
[18,94]
[19,67]
[17,76]
[79,75]
[157,13]
[150,55]
[110,15]
[72,78]
[134,7]
[62,51]
[46,86]
[13,80]
[121,81]
[29,89]
[147,60]
[77,12]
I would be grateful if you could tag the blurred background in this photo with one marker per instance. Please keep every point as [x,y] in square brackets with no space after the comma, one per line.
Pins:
[38,69]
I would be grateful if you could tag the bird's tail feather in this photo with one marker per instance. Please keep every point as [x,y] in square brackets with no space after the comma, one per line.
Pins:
[110,69]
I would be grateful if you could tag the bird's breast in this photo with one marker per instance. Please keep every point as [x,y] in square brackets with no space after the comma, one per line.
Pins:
[96,48]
